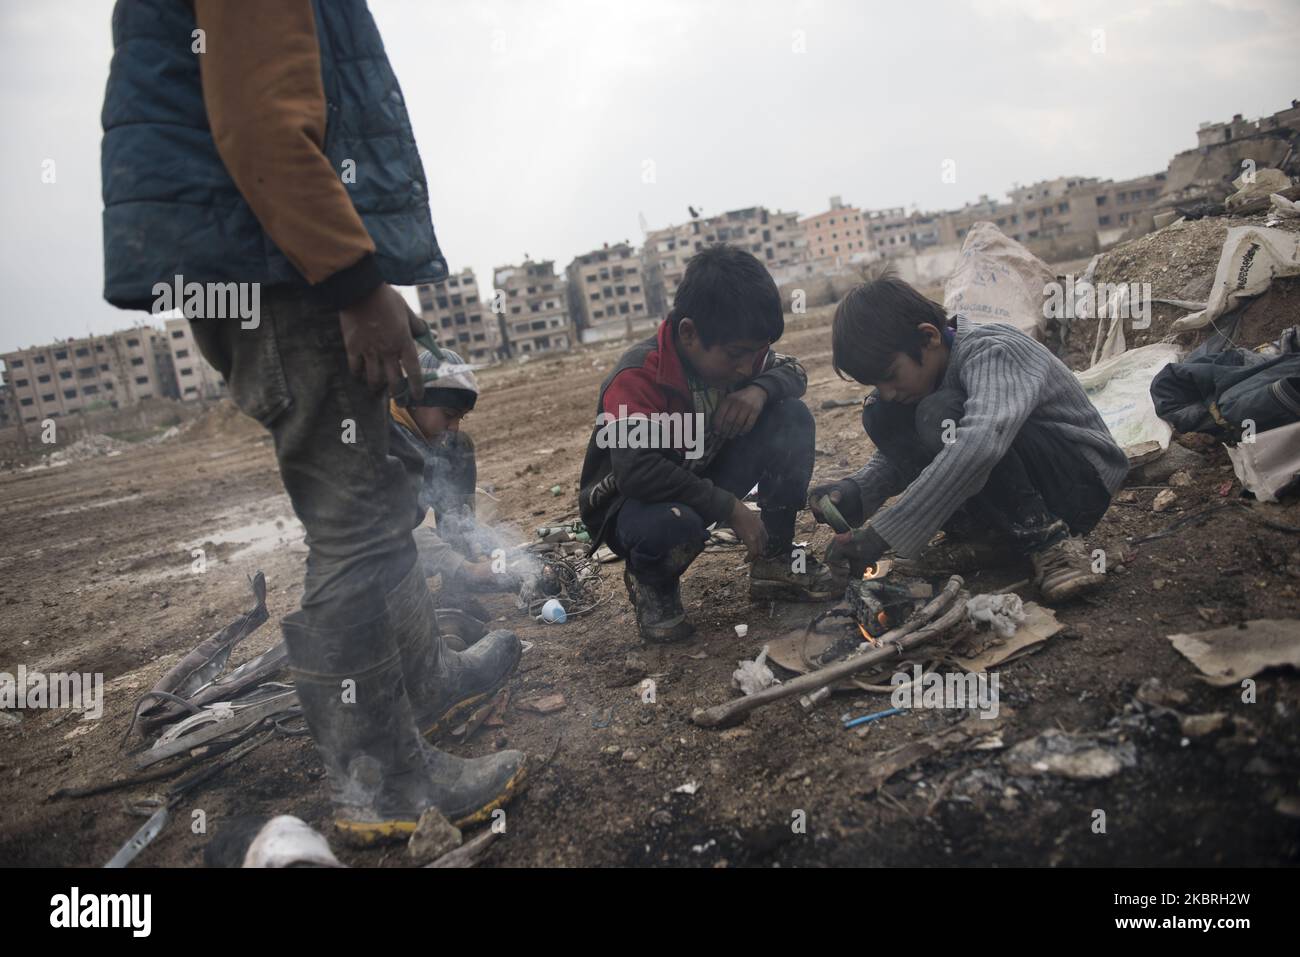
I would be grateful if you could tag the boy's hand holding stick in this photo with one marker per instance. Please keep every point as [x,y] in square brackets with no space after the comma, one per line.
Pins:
[861,547]
[837,504]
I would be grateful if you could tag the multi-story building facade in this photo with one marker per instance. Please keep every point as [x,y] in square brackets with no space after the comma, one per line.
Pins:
[64,378]
[459,317]
[838,236]
[890,231]
[1217,134]
[195,377]
[533,306]
[1082,212]
[607,294]
[775,237]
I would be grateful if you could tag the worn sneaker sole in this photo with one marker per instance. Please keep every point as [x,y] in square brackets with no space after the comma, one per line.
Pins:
[1071,588]
[668,636]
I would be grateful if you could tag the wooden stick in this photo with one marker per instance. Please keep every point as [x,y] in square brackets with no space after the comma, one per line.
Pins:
[892,644]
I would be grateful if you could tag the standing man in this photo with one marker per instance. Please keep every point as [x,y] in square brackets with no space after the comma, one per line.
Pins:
[267,145]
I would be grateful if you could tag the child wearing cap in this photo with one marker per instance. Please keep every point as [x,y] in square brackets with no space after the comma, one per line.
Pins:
[427,435]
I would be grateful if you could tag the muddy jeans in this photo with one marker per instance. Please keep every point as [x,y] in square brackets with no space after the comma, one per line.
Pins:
[661,539]
[1042,477]
[356,501]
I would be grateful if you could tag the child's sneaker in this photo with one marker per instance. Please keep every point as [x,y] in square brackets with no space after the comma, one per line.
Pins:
[773,577]
[1063,571]
[660,616]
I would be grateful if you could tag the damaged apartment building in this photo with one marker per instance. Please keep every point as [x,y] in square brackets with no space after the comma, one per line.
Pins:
[607,294]
[96,372]
[532,309]
[774,237]
[460,319]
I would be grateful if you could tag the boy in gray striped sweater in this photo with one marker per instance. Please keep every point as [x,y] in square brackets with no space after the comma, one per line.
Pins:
[983,431]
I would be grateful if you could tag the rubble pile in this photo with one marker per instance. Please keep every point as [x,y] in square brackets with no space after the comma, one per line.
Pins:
[86,447]
[1179,262]
[223,420]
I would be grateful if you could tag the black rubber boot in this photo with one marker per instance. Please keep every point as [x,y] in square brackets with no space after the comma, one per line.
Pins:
[382,775]
[467,790]
[349,682]
[446,685]
[660,616]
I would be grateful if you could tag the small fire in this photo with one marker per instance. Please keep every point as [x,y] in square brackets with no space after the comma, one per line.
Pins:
[878,570]
[884,623]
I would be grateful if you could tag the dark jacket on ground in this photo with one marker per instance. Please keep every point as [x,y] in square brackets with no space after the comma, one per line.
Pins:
[650,378]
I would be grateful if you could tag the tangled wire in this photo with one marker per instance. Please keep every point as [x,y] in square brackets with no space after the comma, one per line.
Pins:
[574,579]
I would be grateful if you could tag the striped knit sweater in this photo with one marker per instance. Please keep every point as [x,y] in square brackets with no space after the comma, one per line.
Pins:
[1008,379]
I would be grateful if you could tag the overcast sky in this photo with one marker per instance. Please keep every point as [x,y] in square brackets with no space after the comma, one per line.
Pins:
[539,123]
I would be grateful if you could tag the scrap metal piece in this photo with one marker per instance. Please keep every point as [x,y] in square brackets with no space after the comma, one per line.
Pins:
[141,838]
[239,719]
[200,668]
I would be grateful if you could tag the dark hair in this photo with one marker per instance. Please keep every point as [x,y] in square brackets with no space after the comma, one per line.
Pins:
[875,322]
[728,295]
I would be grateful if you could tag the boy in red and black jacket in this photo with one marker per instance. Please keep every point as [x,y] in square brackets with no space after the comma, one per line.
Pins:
[720,412]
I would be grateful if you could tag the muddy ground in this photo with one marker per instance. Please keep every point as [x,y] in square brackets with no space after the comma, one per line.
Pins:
[96,576]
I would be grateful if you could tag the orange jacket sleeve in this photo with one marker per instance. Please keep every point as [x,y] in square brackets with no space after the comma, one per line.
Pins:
[265,101]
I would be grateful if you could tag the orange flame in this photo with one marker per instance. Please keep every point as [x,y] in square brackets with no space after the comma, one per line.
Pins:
[879,570]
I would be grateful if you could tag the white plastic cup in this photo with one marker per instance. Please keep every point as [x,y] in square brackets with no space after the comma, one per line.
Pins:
[742,631]
[553,612]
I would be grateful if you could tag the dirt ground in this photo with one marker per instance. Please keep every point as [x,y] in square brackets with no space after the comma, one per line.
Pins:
[96,576]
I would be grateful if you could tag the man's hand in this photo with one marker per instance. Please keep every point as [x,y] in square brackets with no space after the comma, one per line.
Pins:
[377,334]
[738,412]
[746,523]
[844,495]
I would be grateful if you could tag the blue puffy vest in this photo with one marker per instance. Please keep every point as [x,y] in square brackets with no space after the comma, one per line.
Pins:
[170,207]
